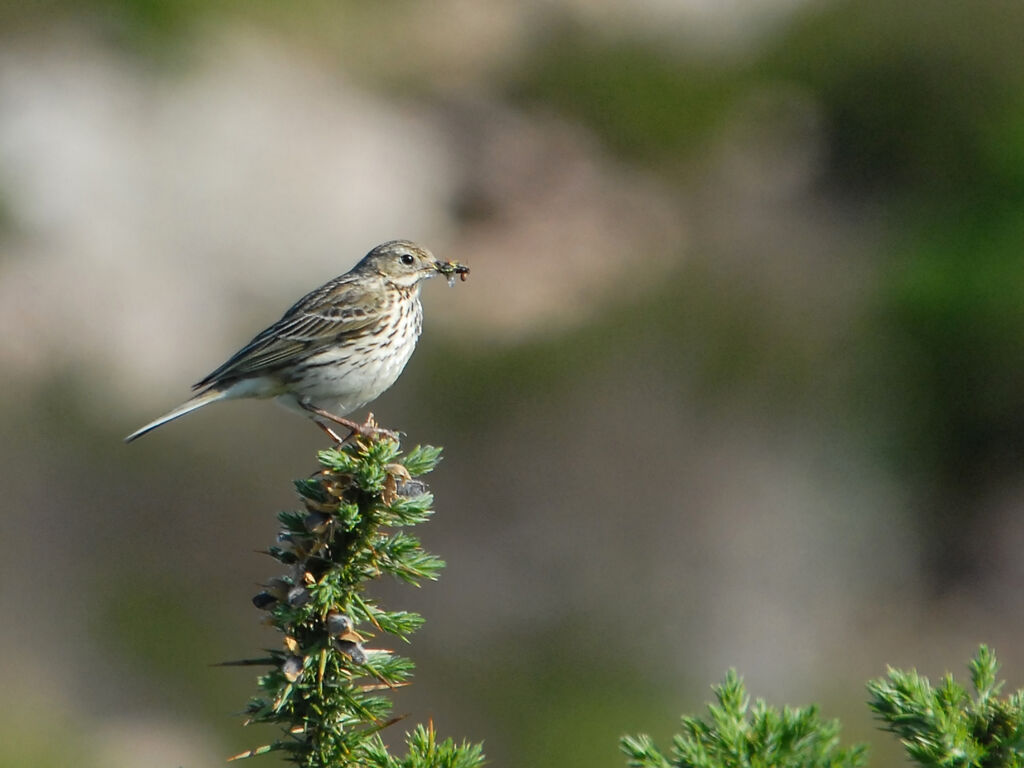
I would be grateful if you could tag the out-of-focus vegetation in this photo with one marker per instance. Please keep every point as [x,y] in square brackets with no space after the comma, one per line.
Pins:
[938,726]
[924,128]
[947,723]
[737,735]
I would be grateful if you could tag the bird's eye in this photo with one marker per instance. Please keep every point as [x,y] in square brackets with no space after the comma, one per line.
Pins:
[408,259]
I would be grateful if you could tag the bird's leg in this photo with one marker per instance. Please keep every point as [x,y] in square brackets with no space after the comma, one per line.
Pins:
[331,433]
[369,429]
[330,416]
[347,423]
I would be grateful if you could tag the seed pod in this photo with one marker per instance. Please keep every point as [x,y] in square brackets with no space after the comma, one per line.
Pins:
[338,623]
[264,600]
[278,588]
[317,522]
[411,488]
[292,668]
[353,650]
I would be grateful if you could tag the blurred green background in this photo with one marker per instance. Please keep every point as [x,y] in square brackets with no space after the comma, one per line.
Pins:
[738,379]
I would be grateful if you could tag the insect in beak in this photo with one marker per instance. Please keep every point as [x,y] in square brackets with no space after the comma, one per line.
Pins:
[451,270]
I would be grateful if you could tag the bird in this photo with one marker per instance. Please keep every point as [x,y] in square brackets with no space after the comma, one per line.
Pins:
[337,348]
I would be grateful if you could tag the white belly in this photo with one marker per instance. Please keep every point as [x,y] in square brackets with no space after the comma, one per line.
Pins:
[343,379]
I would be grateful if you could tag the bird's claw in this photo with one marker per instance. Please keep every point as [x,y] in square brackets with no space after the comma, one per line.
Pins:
[367,429]
[370,429]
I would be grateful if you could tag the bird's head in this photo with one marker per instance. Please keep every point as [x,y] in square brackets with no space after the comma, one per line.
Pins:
[401,263]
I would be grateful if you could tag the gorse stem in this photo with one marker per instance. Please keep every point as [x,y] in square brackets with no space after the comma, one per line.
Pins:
[327,682]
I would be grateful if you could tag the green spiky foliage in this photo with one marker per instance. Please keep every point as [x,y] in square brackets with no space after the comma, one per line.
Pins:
[946,726]
[736,735]
[327,684]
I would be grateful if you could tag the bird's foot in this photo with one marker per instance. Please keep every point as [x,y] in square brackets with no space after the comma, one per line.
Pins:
[368,429]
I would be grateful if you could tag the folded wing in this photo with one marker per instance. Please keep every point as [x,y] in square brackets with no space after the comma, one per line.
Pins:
[317,321]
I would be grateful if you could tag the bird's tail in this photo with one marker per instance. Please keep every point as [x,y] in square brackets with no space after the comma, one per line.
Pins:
[203,398]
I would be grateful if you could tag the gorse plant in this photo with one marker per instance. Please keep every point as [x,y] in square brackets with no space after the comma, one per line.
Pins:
[944,725]
[940,727]
[327,682]
[736,735]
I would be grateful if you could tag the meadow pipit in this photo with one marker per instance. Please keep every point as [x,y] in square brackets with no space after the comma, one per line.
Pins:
[337,348]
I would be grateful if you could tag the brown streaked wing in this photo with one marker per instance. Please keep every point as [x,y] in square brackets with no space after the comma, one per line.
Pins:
[316,321]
